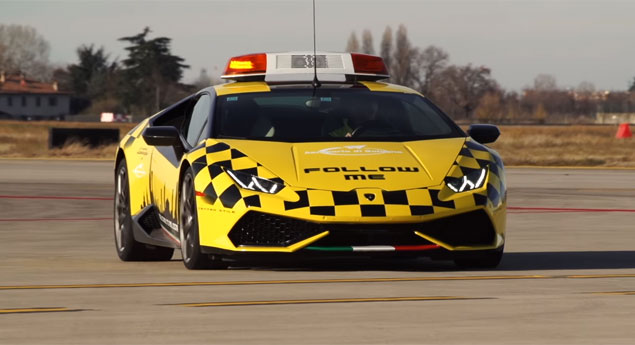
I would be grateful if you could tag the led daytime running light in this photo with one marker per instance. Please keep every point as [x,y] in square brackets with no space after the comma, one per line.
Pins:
[468,182]
[255,183]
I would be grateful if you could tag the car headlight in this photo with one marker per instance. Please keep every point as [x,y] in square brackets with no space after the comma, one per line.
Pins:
[471,181]
[255,183]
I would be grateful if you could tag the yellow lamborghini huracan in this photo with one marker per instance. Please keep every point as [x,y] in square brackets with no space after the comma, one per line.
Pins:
[308,154]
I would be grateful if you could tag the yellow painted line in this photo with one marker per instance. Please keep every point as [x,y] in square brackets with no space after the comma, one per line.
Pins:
[328,300]
[34,310]
[614,293]
[314,281]
[595,276]
[272,282]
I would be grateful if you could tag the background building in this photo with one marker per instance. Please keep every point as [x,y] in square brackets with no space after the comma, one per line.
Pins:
[22,98]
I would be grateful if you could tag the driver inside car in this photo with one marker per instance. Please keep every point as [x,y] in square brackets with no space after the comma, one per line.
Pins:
[358,113]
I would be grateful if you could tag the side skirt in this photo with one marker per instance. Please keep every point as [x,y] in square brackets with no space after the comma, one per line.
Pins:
[149,230]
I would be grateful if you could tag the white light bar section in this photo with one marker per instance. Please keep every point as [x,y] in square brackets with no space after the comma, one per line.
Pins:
[373,248]
[298,66]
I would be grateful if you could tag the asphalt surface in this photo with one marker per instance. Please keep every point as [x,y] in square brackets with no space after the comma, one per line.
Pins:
[568,275]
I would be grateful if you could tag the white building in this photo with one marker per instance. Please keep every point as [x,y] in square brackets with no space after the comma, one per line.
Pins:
[22,98]
[614,118]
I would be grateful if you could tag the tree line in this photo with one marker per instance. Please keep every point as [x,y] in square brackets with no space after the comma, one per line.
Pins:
[470,93]
[150,77]
[145,81]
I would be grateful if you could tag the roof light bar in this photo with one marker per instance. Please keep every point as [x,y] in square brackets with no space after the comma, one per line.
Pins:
[301,67]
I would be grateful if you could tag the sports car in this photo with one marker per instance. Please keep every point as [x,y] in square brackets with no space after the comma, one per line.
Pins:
[308,154]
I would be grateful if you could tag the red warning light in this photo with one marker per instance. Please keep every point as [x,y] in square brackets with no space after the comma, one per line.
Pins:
[369,64]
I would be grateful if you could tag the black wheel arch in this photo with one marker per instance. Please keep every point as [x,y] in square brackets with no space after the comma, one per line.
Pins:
[119,157]
[185,165]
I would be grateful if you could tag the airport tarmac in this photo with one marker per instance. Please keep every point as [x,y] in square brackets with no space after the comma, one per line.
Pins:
[568,275]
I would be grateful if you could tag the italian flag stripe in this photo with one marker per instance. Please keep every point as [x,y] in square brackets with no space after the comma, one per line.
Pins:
[374,248]
[331,249]
[421,247]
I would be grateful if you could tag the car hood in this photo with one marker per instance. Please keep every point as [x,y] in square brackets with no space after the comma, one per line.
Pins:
[344,166]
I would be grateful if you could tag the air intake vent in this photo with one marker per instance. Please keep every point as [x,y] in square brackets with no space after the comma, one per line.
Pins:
[261,229]
[467,229]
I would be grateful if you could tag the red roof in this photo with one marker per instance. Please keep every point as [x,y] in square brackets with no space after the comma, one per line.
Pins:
[17,84]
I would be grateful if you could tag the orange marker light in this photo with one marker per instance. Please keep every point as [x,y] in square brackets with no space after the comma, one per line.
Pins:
[247,64]
[233,64]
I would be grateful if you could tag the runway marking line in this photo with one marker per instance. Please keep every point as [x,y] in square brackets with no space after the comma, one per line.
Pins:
[53,219]
[613,293]
[45,158]
[593,276]
[35,310]
[52,197]
[311,281]
[327,300]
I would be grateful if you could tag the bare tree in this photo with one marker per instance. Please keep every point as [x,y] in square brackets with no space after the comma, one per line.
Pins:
[545,82]
[511,103]
[618,102]
[540,114]
[352,46]
[428,64]
[203,80]
[402,61]
[23,50]
[385,49]
[462,87]
[367,43]
[490,108]
[545,98]
[585,87]
[586,103]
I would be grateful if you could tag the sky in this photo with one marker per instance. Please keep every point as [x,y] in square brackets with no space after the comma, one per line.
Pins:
[575,41]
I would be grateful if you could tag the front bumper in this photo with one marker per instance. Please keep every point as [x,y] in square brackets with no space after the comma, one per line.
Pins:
[469,222]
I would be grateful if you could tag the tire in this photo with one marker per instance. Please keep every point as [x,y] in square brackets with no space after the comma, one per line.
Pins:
[193,258]
[129,249]
[479,258]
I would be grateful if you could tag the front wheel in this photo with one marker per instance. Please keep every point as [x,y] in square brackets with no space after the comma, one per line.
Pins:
[479,258]
[193,258]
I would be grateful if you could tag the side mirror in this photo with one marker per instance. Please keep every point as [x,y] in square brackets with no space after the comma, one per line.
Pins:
[162,136]
[484,134]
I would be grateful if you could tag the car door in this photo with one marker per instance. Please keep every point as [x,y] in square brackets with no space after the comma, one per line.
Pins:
[166,162]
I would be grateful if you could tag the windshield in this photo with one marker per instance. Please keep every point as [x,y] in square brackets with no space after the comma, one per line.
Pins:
[338,114]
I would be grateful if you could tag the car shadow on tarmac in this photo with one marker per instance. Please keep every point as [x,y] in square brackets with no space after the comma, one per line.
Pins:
[590,260]
[515,261]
